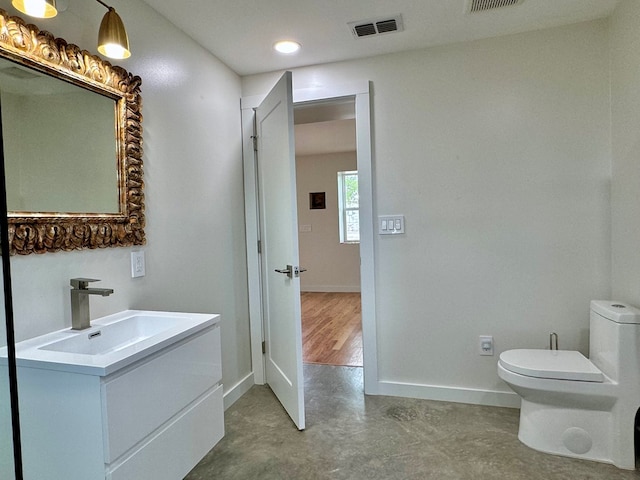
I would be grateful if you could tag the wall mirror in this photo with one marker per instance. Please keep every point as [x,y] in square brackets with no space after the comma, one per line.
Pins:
[72,142]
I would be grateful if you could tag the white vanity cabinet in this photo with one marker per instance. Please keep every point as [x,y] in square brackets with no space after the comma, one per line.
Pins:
[152,419]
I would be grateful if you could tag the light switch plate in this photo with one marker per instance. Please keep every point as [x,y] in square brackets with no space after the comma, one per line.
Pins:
[390,224]
[137,264]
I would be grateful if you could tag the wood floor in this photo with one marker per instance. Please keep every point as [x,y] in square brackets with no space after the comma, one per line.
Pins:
[331,328]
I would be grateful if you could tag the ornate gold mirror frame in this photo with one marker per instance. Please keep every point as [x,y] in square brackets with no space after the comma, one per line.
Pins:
[36,232]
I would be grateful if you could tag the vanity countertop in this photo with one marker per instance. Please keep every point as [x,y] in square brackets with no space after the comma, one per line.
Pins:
[113,342]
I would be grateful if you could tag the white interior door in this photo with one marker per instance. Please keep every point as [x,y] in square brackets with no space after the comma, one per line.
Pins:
[279,243]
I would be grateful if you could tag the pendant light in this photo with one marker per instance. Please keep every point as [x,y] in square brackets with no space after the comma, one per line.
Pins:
[36,8]
[112,37]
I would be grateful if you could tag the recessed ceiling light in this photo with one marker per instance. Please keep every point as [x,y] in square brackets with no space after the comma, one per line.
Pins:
[287,46]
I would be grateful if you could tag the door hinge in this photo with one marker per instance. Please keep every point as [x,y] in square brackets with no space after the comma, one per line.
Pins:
[255,142]
[259,246]
[264,347]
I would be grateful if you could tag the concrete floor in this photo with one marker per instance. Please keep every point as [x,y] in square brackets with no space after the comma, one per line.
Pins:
[350,436]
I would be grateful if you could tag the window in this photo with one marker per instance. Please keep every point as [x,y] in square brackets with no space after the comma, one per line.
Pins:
[348,206]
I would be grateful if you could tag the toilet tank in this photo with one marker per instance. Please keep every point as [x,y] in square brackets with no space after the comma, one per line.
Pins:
[613,339]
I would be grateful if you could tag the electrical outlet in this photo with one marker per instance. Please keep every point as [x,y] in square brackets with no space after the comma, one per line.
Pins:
[485,345]
[137,264]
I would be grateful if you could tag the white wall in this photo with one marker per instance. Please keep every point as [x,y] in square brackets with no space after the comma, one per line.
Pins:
[331,266]
[625,135]
[195,254]
[498,153]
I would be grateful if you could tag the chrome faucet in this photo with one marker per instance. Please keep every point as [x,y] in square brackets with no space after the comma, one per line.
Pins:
[80,301]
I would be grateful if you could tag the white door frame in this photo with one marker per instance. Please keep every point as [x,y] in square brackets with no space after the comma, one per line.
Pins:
[360,91]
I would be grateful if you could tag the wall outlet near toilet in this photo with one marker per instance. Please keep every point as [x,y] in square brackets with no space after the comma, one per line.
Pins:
[485,345]
[137,264]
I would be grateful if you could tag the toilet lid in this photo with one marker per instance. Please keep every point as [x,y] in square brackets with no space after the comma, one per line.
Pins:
[554,364]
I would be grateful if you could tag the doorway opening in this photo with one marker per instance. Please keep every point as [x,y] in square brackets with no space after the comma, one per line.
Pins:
[267,288]
[328,232]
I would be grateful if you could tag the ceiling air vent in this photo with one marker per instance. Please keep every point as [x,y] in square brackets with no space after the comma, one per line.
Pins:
[474,6]
[379,26]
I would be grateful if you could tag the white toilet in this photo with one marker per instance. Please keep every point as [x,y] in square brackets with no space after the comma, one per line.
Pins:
[579,407]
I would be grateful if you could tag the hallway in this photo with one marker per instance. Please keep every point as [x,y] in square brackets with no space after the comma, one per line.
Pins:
[350,436]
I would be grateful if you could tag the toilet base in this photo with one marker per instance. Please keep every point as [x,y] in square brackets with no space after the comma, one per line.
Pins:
[590,421]
[569,432]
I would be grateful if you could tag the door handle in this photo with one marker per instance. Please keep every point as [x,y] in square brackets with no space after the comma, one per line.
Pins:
[291,271]
[287,271]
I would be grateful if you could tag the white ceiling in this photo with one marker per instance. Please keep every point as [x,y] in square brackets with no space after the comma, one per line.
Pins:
[241,32]
[326,137]
[325,127]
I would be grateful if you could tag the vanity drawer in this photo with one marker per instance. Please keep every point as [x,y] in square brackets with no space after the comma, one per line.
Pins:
[139,401]
[192,434]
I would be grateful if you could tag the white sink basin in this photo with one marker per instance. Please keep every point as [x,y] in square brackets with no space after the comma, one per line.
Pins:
[115,336]
[112,342]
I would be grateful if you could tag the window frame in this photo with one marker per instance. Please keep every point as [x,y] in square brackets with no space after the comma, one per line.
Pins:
[343,211]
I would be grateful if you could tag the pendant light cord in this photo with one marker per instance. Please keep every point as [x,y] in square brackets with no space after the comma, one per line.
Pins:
[104,4]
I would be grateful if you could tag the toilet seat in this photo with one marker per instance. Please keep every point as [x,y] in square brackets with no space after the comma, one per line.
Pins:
[553,364]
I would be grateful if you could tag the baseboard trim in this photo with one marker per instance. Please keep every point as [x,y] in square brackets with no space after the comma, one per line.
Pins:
[492,398]
[330,288]
[234,393]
